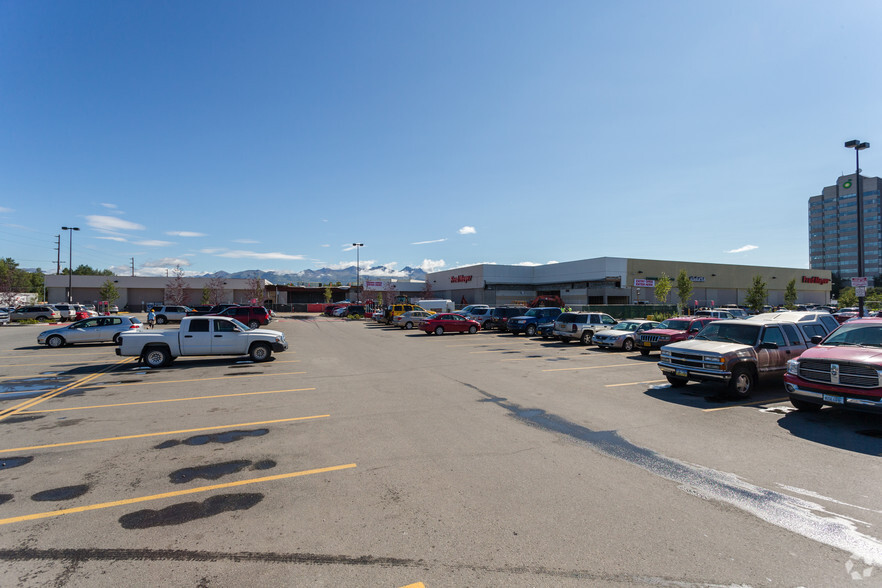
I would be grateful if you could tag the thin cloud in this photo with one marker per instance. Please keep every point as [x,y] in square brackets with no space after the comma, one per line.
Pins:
[168,262]
[528,264]
[112,223]
[239,254]
[108,205]
[154,243]
[185,234]
[743,249]
[210,251]
[4,210]
[427,242]
[467,230]
[246,241]
[120,239]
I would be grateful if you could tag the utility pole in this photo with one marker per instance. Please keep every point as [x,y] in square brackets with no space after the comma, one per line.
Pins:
[133,267]
[58,249]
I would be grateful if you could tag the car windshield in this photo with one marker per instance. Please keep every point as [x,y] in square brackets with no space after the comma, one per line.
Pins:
[856,334]
[626,326]
[242,326]
[533,312]
[743,334]
[676,325]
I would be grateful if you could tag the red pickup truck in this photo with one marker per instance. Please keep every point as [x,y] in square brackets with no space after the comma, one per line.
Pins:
[844,370]
[671,331]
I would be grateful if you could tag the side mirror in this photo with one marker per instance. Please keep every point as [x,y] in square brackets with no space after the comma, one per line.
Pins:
[816,339]
[769,345]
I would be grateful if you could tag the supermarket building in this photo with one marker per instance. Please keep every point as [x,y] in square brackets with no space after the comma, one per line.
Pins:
[618,280]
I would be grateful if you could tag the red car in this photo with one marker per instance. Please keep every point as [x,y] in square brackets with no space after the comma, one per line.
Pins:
[253,316]
[454,323]
[842,371]
[670,331]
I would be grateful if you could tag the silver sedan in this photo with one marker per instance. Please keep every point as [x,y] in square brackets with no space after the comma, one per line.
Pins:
[623,335]
[98,329]
[411,318]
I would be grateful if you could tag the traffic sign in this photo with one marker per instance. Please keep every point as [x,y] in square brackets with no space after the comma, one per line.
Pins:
[859,282]
[860,291]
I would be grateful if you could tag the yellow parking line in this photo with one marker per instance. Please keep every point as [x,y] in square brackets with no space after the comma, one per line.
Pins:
[53,393]
[166,400]
[201,379]
[771,401]
[593,367]
[65,511]
[48,352]
[415,585]
[634,383]
[18,365]
[47,376]
[142,435]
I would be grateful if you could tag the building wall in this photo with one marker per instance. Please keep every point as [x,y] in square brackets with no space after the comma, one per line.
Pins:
[833,227]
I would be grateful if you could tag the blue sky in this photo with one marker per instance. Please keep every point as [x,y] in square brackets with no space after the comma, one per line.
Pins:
[272,135]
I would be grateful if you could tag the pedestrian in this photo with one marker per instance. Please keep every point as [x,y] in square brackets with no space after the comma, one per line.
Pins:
[151,318]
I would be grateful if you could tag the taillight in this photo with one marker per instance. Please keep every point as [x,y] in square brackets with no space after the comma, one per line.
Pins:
[574,328]
[134,326]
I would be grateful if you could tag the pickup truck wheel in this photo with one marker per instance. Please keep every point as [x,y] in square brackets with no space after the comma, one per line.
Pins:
[628,345]
[260,352]
[55,341]
[473,329]
[677,382]
[805,405]
[157,357]
[530,331]
[585,339]
[253,324]
[161,320]
[742,383]
[439,330]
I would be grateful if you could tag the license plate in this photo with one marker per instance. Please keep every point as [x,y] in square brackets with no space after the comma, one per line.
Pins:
[647,344]
[834,399]
[680,373]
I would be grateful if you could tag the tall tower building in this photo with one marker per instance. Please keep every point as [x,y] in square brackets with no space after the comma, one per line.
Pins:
[833,238]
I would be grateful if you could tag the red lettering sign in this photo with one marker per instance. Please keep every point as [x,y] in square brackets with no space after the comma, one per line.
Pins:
[460,278]
[814,280]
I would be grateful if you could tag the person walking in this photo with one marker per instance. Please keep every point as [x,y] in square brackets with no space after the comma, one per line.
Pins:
[151,318]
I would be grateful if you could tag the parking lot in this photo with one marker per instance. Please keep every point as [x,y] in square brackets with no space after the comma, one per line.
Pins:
[370,456]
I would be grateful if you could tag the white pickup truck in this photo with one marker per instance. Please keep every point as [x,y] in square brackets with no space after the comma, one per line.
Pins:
[202,335]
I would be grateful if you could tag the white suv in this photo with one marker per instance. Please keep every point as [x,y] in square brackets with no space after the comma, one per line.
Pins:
[167,314]
[581,325]
[68,311]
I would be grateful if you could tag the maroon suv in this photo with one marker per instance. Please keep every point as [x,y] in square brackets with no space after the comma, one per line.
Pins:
[253,316]
[670,331]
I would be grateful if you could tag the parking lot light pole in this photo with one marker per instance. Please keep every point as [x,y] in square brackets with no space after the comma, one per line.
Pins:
[859,146]
[70,261]
[357,268]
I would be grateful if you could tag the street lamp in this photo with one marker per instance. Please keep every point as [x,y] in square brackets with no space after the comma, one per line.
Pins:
[70,261]
[357,267]
[859,146]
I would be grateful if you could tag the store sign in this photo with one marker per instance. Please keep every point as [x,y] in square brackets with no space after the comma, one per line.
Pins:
[644,283]
[460,279]
[817,280]
[369,284]
[859,282]
[696,278]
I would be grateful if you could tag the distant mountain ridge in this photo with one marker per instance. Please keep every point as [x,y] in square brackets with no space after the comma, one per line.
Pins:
[325,275]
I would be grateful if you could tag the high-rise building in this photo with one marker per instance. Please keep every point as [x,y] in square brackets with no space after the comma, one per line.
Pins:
[833,222]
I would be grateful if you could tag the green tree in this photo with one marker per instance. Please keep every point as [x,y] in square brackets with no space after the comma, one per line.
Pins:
[663,288]
[757,294]
[790,295]
[684,288]
[206,294]
[108,292]
[847,297]
[328,294]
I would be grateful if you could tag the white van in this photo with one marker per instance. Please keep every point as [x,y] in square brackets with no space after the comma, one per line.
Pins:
[438,305]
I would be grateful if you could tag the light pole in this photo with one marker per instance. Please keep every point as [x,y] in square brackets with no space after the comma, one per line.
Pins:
[70,261]
[357,268]
[859,146]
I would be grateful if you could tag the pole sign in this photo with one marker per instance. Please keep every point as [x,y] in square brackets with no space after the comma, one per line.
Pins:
[860,291]
[859,283]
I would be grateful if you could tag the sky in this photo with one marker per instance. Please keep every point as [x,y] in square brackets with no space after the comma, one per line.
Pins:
[219,135]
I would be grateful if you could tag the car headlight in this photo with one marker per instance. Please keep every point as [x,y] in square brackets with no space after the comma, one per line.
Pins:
[664,338]
[793,367]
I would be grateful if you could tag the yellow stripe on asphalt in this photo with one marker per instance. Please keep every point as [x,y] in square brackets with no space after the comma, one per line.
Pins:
[166,400]
[76,509]
[635,383]
[770,401]
[229,377]
[142,435]
[593,367]
[53,393]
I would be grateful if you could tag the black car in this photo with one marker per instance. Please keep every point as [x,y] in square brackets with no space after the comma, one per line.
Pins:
[205,309]
[500,315]
[354,309]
